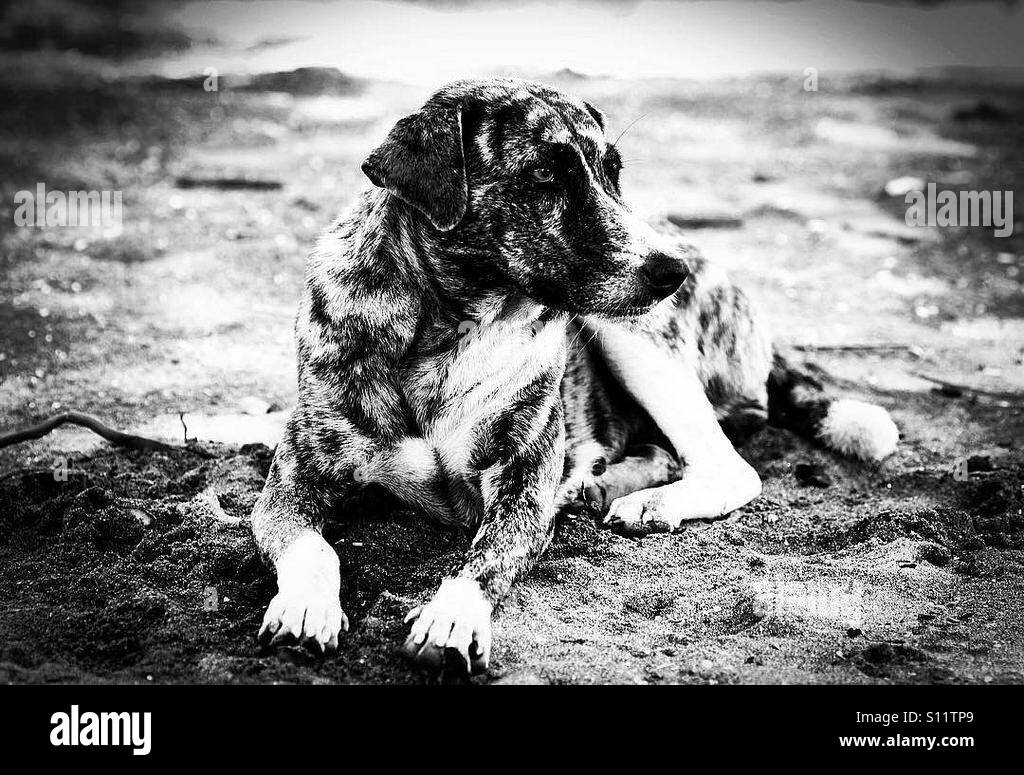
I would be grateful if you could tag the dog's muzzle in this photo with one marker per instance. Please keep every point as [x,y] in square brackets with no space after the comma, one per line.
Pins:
[663,273]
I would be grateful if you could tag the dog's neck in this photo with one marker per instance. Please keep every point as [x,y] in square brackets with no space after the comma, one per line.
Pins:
[397,245]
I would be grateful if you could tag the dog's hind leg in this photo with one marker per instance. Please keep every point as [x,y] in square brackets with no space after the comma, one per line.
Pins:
[715,480]
[713,325]
[645,466]
[698,366]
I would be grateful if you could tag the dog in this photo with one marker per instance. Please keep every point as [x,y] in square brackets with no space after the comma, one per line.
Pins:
[492,336]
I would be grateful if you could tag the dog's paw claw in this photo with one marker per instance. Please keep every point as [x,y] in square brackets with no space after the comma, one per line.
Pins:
[639,514]
[311,619]
[457,622]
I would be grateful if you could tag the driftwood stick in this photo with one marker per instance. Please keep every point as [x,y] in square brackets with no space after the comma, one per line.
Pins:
[115,437]
[853,348]
[1003,396]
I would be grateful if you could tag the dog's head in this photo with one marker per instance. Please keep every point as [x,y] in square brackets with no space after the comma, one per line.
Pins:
[521,190]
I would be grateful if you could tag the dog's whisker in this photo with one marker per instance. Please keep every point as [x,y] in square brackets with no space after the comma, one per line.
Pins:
[629,126]
[579,333]
[576,338]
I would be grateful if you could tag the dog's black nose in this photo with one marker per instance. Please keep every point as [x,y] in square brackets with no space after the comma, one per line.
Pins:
[664,273]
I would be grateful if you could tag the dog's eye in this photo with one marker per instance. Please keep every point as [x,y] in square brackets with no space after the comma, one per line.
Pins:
[543,174]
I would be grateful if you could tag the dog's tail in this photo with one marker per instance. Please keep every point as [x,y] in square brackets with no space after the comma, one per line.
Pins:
[799,402]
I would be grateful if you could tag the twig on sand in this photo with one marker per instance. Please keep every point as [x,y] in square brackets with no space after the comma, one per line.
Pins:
[954,389]
[115,437]
[857,348]
[181,416]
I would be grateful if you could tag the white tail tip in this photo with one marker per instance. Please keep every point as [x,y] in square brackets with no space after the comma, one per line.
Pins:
[859,429]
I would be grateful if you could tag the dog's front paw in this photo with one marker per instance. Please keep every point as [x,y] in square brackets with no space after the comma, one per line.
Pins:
[306,609]
[307,617]
[640,513]
[457,620]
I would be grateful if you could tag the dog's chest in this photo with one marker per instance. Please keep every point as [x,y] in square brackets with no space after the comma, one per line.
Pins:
[455,396]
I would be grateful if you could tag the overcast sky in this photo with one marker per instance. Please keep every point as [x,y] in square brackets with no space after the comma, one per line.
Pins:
[430,42]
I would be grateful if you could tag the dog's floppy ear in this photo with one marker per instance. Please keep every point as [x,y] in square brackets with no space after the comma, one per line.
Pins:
[421,162]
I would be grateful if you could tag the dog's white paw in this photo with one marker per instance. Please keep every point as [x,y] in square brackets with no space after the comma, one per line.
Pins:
[307,617]
[457,619]
[306,609]
[641,512]
[707,492]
